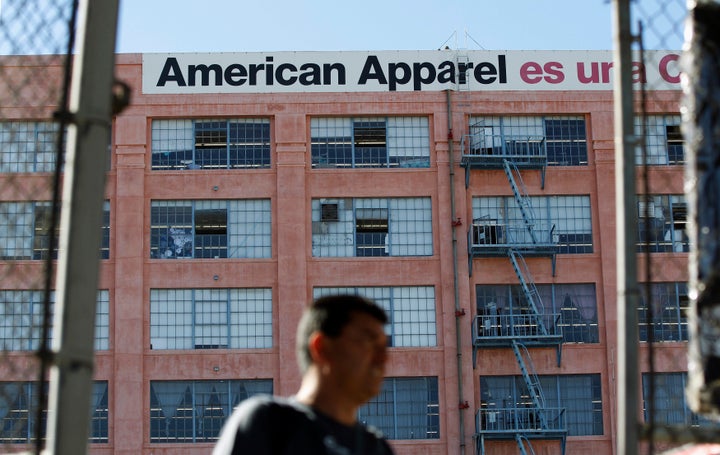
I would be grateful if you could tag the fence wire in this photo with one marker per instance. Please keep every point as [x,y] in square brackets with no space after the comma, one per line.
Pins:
[663,241]
[35,37]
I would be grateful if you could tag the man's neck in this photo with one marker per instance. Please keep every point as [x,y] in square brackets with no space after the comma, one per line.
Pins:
[322,398]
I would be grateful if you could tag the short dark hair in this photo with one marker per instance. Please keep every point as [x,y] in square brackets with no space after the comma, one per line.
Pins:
[329,315]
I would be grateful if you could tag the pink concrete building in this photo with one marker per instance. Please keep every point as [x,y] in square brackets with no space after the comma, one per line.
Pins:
[471,193]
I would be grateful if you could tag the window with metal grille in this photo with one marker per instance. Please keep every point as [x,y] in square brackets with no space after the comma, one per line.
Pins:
[27,146]
[21,315]
[662,221]
[564,221]
[411,311]
[26,233]
[18,412]
[509,399]
[566,141]
[211,318]
[188,144]
[195,411]
[572,307]
[562,139]
[668,403]
[210,229]
[375,142]
[373,227]
[405,408]
[371,230]
[663,140]
[662,312]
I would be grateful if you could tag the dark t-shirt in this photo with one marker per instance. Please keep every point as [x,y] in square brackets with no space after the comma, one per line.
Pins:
[267,425]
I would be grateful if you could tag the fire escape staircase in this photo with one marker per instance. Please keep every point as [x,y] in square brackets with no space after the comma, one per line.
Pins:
[528,418]
[527,326]
[524,444]
[530,238]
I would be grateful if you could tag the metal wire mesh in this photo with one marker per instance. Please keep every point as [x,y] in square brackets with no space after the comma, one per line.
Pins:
[663,242]
[34,37]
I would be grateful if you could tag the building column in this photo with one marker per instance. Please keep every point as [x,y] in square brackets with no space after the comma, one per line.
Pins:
[290,213]
[130,403]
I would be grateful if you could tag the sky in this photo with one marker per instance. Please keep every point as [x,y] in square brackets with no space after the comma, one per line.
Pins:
[341,25]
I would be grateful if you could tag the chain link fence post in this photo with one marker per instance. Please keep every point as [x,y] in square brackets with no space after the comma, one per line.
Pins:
[37,39]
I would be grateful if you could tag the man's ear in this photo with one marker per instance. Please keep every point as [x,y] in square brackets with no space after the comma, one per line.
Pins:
[317,347]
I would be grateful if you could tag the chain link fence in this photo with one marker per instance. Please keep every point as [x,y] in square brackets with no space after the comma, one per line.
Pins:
[663,154]
[35,37]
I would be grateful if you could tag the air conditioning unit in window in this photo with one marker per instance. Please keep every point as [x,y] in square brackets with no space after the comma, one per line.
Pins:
[329,212]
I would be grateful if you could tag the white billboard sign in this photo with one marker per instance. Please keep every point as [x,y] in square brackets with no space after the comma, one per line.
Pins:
[398,71]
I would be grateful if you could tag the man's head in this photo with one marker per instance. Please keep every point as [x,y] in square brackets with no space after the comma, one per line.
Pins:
[329,315]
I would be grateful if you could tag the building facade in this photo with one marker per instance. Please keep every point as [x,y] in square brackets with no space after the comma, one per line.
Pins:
[471,193]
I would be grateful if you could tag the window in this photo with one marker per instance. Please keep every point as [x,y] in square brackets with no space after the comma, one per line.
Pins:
[195,411]
[27,146]
[373,227]
[566,143]
[21,316]
[210,229]
[26,231]
[578,311]
[561,220]
[370,142]
[662,312]
[508,398]
[411,312]
[180,144]
[18,408]
[573,307]
[664,142]
[662,221]
[668,403]
[405,408]
[561,138]
[371,231]
[210,318]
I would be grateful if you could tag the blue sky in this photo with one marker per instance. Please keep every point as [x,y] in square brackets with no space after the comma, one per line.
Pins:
[340,25]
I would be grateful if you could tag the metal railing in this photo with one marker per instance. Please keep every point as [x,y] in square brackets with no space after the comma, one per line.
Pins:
[523,326]
[521,419]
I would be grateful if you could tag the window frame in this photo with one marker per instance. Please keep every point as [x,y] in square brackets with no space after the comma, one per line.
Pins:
[411,311]
[370,142]
[662,222]
[663,142]
[28,237]
[187,144]
[192,426]
[26,306]
[392,417]
[174,316]
[174,229]
[583,414]
[28,142]
[670,303]
[340,238]
[570,234]
[502,302]
[23,429]
[673,409]
[562,139]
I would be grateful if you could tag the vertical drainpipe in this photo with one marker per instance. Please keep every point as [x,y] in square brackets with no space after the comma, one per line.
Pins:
[462,405]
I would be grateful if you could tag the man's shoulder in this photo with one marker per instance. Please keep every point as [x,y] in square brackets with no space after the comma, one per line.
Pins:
[269,406]
[262,424]
[377,441]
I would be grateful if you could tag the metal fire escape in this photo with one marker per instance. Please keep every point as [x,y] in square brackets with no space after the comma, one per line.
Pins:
[526,325]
